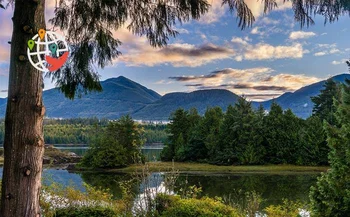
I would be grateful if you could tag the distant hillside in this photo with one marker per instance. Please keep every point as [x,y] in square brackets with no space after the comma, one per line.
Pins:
[2,101]
[202,99]
[122,96]
[2,107]
[300,101]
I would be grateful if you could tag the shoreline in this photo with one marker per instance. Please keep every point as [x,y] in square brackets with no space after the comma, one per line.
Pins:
[204,168]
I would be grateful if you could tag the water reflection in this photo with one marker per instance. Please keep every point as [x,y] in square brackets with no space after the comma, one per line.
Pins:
[273,188]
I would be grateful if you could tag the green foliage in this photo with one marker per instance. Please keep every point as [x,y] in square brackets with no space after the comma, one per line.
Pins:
[239,137]
[331,195]
[178,130]
[247,203]
[85,212]
[171,206]
[92,40]
[242,136]
[324,107]
[117,146]
[155,133]
[287,209]
[83,130]
[314,149]
[58,200]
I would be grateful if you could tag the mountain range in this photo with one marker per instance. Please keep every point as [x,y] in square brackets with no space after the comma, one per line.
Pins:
[121,96]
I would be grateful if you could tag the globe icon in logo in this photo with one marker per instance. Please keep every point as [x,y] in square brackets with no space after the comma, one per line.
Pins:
[47,51]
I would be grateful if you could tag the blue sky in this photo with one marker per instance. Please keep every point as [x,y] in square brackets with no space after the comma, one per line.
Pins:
[262,62]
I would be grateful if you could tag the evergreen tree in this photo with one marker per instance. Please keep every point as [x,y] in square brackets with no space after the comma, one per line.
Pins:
[119,146]
[274,135]
[195,149]
[179,126]
[331,195]
[314,149]
[210,128]
[258,136]
[225,149]
[247,142]
[292,128]
[323,103]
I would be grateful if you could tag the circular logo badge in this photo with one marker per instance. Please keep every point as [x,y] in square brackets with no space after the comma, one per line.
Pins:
[47,51]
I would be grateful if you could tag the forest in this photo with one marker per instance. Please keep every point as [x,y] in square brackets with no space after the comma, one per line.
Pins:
[244,136]
[239,136]
[83,130]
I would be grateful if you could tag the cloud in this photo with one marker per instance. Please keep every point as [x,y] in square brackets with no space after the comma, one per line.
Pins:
[255,31]
[301,35]
[292,80]
[256,83]
[238,40]
[182,31]
[240,74]
[269,21]
[334,50]
[140,53]
[257,7]
[259,97]
[178,55]
[324,49]
[4,52]
[327,46]
[263,51]
[320,54]
[217,10]
[343,61]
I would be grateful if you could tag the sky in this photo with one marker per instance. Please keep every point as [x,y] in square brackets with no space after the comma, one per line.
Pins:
[272,57]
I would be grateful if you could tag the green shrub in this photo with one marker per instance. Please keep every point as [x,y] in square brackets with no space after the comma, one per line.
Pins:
[287,209]
[56,196]
[118,146]
[173,206]
[86,212]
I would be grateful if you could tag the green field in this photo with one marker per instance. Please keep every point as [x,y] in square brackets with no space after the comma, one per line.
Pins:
[208,168]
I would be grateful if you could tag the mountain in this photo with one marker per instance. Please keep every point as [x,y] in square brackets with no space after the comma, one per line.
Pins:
[299,101]
[201,99]
[2,107]
[122,96]
[2,101]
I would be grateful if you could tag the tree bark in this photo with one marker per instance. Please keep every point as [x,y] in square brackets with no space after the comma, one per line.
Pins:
[24,143]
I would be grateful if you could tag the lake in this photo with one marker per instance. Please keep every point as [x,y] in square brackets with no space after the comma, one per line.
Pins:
[273,188]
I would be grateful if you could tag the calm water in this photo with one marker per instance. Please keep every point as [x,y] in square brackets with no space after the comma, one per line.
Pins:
[273,188]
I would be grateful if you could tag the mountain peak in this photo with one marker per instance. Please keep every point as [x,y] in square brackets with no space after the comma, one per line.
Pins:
[341,77]
[119,79]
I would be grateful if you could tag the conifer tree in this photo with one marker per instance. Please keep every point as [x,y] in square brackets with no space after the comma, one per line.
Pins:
[331,194]
[323,103]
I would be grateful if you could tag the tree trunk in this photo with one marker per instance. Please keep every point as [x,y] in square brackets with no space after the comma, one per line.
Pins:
[24,143]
